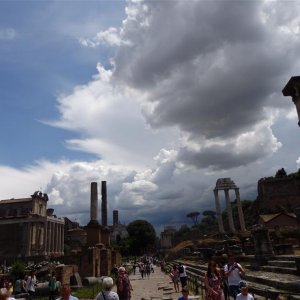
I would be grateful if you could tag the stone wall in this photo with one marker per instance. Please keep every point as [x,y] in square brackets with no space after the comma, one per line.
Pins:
[64,273]
[12,240]
[280,221]
[275,193]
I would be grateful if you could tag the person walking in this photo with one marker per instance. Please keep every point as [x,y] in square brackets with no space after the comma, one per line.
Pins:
[233,271]
[18,286]
[175,278]
[148,270]
[66,293]
[182,275]
[142,270]
[213,282]
[31,283]
[185,294]
[52,284]
[124,287]
[244,295]
[107,293]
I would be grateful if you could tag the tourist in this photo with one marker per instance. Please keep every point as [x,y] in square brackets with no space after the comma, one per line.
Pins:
[31,283]
[244,295]
[106,293]
[3,283]
[52,284]
[233,272]
[182,275]
[142,270]
[175,278]
[4,294]
[23,284]
[148,269]
[224,282]
[114,271]
[124,287]
[185,294]
[18,286]
[10,291]
[66,293]
[213,282]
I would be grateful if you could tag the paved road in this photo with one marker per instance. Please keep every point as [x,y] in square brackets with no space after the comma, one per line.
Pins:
[148,288]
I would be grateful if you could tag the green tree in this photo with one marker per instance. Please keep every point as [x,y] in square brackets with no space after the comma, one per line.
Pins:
[142,236]
[18,270]
[194,216]
[209,213]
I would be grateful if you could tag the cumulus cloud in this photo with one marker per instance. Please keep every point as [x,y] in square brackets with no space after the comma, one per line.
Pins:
[209,71]
[196,86]
[111,36]
[110,123]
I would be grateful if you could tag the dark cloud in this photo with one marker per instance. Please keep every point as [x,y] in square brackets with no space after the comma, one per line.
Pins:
[209,68]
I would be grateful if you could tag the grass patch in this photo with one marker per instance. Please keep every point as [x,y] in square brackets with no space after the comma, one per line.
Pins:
[87,292]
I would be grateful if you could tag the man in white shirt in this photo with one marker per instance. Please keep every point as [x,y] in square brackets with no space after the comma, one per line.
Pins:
[244,295]
[232,272]
[182,275]
[31,283]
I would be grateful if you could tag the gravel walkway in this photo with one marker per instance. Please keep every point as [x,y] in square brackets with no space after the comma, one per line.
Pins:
[148,288]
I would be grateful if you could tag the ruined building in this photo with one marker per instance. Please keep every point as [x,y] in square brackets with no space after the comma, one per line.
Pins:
[279,193]
[118,230]
[29,229]
[97,257]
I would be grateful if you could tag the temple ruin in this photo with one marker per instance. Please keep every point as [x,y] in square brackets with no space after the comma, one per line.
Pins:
[226,184]
[29,229]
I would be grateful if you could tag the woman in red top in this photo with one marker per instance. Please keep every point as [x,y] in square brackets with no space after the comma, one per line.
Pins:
[213,281]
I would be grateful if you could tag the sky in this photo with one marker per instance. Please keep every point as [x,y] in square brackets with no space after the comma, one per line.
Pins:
[158,98]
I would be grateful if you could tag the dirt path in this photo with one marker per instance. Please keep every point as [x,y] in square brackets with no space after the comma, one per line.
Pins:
[148,288]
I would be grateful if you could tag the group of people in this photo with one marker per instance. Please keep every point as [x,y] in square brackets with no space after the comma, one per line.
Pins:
[27,284]
[177,274]
[220,281]
[145,266]
[145,269]
[123,285]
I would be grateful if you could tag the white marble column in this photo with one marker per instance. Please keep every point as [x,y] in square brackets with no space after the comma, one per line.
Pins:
[55,238]
[218,211]
[240,209]
[62,239]
[58,239]
[45,238]
[49,237]
[29,236]
[52,238]
[229,211]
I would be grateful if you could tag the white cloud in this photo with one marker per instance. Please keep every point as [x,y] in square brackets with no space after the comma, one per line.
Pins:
[111,36]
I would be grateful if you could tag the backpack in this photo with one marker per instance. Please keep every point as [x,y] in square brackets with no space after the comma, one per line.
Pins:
[181,269]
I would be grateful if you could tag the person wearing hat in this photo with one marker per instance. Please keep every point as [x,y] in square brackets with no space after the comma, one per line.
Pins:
[244,294]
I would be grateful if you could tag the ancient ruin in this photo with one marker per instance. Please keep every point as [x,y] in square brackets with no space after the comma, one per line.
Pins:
[292,89]
[226,184]
[29,229]
[96,257]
